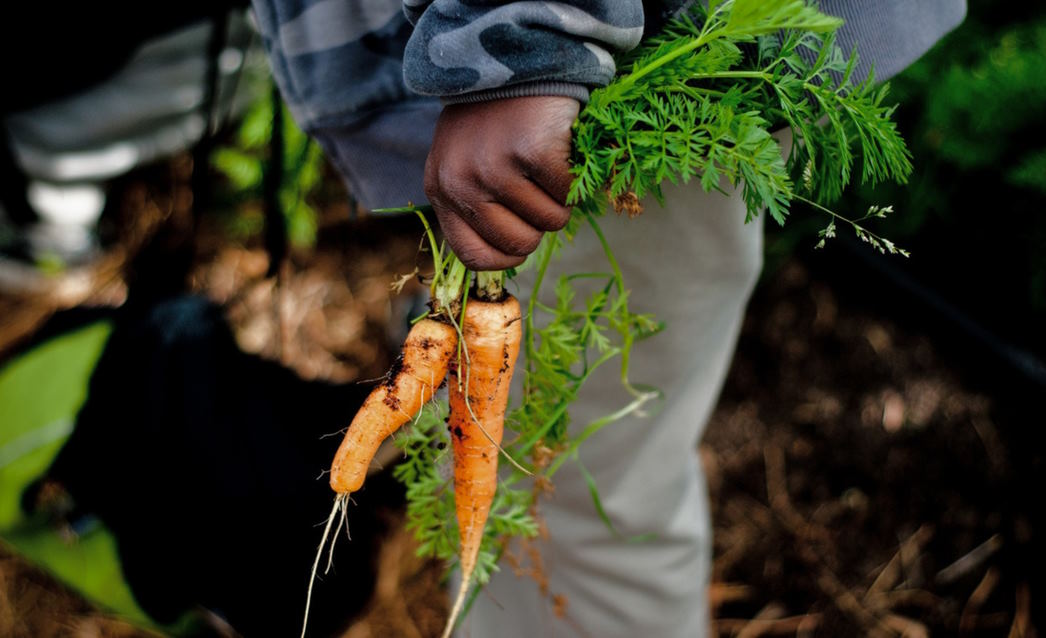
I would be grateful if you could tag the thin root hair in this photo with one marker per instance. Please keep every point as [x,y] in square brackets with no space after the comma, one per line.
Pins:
[330,434]
[339,504]
[342,522]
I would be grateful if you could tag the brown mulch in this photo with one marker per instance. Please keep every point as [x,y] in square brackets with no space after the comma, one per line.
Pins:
[861,486]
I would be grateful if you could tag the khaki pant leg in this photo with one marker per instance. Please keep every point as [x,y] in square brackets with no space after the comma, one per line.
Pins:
[693,263]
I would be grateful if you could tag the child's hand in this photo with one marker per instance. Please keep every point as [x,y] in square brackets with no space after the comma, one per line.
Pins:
[498,175]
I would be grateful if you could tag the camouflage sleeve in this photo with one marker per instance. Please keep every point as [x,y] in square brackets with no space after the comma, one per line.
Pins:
[339,67]
[474,50]
[335,60]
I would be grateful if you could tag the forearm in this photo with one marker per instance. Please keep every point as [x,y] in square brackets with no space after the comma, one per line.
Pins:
[335,61]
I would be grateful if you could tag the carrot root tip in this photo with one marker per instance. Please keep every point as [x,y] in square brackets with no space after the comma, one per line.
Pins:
[459,603]
[340,505]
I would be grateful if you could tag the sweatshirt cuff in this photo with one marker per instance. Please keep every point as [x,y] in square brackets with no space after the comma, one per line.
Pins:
[579,92]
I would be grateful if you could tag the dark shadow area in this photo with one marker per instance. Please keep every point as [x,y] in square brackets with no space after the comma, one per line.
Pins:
[206,464]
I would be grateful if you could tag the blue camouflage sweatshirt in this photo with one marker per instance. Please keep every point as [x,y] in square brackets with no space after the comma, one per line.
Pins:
[367,78]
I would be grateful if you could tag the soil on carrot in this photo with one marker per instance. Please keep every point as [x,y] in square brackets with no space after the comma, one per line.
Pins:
[869,475]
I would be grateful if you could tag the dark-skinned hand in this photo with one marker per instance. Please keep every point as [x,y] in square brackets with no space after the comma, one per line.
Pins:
[498,174]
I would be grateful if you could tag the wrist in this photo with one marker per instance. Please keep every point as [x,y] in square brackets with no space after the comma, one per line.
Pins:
[551,88]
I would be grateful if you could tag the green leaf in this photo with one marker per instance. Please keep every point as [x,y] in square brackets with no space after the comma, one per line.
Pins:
[242,170]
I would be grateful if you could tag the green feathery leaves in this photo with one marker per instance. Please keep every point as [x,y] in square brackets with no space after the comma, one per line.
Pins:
[702,97]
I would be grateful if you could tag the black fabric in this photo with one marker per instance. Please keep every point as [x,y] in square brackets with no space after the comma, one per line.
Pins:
[205,462]
[272,179]
[50,50]
[13,184]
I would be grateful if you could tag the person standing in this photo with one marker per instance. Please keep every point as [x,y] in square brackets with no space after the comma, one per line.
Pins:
[469,105]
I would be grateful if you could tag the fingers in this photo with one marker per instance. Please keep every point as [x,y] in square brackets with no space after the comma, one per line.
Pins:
[499,228]
[545,158]
[485,234]
[526,197]
[473,251]
[553,178]
[488,225]
[548,166]
[498,175]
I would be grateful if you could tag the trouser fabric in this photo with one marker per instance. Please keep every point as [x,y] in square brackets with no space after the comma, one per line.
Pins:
[693,263]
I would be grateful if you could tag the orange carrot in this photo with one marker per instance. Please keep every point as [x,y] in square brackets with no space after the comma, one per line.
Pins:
[413,379]
[478,387]
[427,352]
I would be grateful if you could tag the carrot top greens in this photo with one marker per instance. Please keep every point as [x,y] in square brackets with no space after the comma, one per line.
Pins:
[697,101]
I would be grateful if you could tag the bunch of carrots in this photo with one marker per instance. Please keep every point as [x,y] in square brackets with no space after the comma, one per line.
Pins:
[470,341]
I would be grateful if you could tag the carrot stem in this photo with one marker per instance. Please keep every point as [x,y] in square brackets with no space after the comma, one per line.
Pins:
[449,287]
[490,285]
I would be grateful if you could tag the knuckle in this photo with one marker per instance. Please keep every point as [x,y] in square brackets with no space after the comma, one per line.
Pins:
[431,185]
[472,255]
[507,261]
[483,258]
[460,193]
[531,245]
[473,260]
[522,246]
[536,154]
[431,177]
[558,218]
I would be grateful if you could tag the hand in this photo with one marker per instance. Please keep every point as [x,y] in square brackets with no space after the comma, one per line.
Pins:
[498,175]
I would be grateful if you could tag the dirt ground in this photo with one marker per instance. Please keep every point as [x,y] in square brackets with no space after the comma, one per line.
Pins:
[865,483]
[870,475]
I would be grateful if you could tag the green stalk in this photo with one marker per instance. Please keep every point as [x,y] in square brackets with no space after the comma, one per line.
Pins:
[636,74]
[490,285]
[547,250]
[420,212]
[595,426]
[449,287]
[619,277]
[619,282]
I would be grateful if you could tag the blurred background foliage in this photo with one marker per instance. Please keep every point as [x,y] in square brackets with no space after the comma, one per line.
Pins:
[972,214]
[246,158]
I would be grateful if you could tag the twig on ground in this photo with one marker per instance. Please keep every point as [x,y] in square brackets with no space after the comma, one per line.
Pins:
[984,589]
[890,575]
[887,600]
[993,447]
[720,594]
[798,526]
[762,621]
[788,626]
[1022,627]
[906,627]
[781,503]
[970,561]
